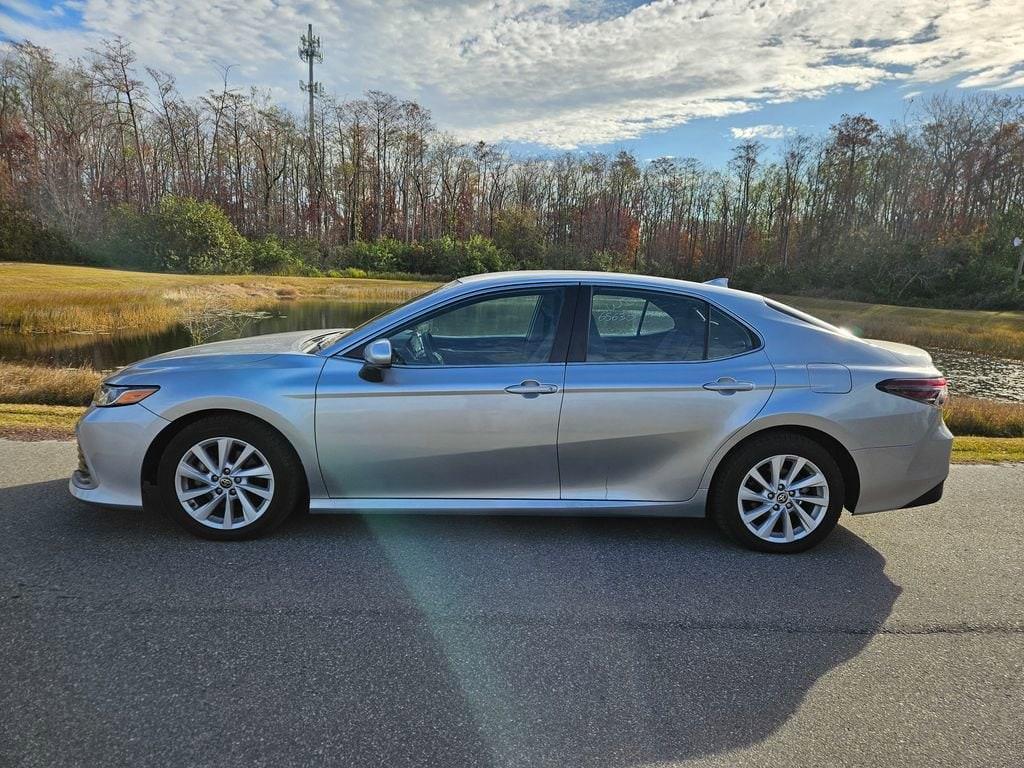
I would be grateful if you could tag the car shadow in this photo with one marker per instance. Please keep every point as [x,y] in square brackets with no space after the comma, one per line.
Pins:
[416,640]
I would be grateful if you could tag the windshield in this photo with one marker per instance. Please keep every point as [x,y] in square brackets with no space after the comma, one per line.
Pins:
[330,339]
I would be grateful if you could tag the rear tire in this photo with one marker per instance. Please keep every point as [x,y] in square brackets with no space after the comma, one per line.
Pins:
[228,478]
[778,493]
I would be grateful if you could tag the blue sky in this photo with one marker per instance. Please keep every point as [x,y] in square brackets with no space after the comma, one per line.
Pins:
[670,77]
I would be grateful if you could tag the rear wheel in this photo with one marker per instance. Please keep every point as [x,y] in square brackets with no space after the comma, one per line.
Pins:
[229,477]
[779,493]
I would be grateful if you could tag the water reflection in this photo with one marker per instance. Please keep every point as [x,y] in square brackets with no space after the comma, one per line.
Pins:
[106,351]
[969,373]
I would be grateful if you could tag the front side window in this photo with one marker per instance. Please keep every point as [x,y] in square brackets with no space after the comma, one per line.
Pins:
[507,329]
[648,326]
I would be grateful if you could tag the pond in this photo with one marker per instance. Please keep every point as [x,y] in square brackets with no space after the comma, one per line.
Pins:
[105,352]
[969,373]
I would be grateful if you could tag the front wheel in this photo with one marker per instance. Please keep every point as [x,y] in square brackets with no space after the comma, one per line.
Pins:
[779,493]
[228,477]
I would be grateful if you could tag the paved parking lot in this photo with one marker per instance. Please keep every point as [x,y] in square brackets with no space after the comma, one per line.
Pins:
[481,641]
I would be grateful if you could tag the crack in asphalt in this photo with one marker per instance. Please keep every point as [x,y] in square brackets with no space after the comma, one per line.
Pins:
[491,618]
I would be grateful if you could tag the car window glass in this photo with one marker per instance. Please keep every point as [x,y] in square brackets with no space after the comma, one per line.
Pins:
[616,315]
[497,330]
[656,320]
[726,337]
[640,326]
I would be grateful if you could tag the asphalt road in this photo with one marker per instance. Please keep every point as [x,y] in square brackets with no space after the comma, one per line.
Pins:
[444,641]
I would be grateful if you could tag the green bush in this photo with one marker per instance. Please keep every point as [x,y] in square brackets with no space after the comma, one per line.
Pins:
[180,234]
[444,256]
[269,256]
[24,238]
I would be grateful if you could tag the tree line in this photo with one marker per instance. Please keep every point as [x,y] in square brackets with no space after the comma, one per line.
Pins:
[102,159]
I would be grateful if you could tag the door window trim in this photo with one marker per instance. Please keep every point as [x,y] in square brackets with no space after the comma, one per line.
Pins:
[559,347]
[581,327]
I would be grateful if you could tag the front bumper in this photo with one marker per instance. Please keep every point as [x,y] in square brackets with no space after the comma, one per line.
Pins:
[905,475]
[112,443]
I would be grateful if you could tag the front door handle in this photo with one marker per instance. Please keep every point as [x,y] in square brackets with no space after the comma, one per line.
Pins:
[532,387]
[729,384]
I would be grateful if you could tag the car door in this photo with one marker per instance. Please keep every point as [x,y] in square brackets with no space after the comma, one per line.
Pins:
[655,382]
[468,409]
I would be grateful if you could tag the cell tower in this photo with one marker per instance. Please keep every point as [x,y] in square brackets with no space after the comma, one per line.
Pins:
[309,51]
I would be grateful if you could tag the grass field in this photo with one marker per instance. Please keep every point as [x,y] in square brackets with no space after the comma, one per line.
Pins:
[987,450]
[993,333]
[55,298]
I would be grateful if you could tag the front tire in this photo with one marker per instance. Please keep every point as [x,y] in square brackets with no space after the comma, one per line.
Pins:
[778,493]
[228,478]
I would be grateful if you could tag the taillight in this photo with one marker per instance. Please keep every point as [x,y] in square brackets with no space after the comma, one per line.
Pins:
[929,391]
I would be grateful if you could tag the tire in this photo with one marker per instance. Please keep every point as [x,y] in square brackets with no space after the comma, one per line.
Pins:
[267,486]
[819,500]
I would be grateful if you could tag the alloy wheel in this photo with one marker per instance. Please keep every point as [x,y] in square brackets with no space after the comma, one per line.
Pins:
[783,498]
[224,482]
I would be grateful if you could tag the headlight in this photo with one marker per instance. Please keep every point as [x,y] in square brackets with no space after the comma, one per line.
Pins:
[107,395]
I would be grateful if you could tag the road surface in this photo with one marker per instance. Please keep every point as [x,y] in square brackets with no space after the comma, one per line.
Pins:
[445,641]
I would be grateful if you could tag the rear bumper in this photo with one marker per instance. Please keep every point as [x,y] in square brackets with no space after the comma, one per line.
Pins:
[112,443]
[928,497]
[905,475]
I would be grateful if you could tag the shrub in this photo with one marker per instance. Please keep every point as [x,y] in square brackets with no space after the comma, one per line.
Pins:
[443,256]
[180,234]
[25,238]
[269,256]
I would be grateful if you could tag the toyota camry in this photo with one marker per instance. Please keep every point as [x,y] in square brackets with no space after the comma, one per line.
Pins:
[531,393]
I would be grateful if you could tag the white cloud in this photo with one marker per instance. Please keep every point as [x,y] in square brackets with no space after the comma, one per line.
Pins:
[765,131]
[563,72]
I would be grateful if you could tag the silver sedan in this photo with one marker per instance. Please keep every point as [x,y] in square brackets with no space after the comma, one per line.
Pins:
[531,393]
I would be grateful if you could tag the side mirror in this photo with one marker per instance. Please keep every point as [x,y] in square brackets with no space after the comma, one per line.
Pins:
[378,354]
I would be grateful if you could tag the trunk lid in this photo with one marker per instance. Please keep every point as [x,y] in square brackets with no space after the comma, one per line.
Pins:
[906,353]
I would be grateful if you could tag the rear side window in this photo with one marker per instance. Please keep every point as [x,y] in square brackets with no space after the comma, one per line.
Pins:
[727,337]
[648,326]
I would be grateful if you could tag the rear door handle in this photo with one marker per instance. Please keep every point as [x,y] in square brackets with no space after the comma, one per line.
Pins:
[729,384]
[532,387]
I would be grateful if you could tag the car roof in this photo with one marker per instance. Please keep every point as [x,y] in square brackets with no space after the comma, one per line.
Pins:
[527,277]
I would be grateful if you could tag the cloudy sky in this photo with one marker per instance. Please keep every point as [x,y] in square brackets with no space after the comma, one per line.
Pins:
[683,77]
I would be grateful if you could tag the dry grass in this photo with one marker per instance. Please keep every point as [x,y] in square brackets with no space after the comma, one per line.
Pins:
[286,292]
[83,312]
[988,418]
[41,385]
[53,298]
[993,333]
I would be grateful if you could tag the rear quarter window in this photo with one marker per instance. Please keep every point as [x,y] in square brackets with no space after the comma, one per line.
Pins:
[727,337]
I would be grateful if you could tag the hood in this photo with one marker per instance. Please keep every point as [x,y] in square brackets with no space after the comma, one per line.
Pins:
[231,353]
[904,352]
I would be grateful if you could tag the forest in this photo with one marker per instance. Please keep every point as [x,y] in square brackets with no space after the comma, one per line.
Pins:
[103,161]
